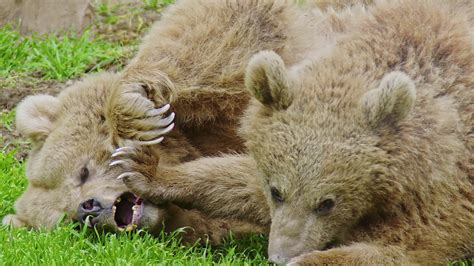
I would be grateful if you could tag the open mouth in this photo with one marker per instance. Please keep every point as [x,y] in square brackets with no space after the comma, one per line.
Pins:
[127,211]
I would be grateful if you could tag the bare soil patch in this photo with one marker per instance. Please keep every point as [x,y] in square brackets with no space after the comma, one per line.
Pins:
[13,91]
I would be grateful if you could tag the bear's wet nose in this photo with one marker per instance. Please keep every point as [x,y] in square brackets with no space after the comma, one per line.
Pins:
[89,208]
[91,205]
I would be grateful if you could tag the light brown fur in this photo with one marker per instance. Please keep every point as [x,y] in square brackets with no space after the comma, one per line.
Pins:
[380,126]
[195,59]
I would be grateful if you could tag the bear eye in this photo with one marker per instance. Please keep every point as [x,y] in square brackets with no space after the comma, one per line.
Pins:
[84,175]
[276,195]
[325,206]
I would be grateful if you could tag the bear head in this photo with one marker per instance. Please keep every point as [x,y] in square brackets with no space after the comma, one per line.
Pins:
[314,137]
[68,166]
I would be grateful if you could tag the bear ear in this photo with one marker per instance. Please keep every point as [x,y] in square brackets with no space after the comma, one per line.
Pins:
[35,116]
[268,81]
[391,102]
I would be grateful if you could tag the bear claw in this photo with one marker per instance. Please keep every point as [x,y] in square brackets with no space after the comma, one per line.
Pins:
[166,121]
[123,150]
[118,162]
[158,111]
[126,174]
[154,141]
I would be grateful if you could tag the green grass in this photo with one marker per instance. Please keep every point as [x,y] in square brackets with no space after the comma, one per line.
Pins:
[12,181]
[52,57]
[23,247]
[7,119]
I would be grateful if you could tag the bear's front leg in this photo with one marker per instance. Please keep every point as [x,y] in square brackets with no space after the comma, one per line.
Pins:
[221,187]
[355,254]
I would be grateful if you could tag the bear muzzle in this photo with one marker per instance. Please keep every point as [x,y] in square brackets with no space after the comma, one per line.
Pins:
[123,215]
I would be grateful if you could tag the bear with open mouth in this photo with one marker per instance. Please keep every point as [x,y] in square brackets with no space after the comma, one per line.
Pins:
[193,58]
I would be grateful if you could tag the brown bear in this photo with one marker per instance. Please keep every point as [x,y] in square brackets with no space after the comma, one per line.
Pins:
[361,155]
[195,57]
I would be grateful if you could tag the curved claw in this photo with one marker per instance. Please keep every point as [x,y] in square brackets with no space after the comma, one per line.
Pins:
[126,174]
[152,142]
[166,121]
[158,111]
[124,149]
[120,153]
[153,136]
[118,162]
[165,130]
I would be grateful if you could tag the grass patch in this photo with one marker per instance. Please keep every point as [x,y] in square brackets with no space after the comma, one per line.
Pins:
[7,118]
[12,181]
[24,247]
[53,57]
[466,262]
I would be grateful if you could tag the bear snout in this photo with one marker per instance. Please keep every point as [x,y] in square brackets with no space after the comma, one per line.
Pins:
[91,208]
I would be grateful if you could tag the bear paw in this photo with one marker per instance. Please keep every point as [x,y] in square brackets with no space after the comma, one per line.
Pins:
[134,117]
[138,169]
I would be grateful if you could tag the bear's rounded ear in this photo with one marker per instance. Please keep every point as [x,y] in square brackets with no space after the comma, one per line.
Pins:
[391,102]
[268,81]
[35,116]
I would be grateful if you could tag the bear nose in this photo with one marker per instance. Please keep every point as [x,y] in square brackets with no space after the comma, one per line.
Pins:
[90,207]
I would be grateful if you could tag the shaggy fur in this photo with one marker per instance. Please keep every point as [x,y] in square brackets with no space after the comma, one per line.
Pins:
[363,152]
[194,59]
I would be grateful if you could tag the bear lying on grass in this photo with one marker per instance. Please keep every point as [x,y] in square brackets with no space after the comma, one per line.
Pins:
[350,161]
[196,55]
[364,152]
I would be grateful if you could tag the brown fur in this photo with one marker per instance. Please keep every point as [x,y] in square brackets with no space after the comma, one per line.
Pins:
[55,188]
[381,124]
[195,59]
